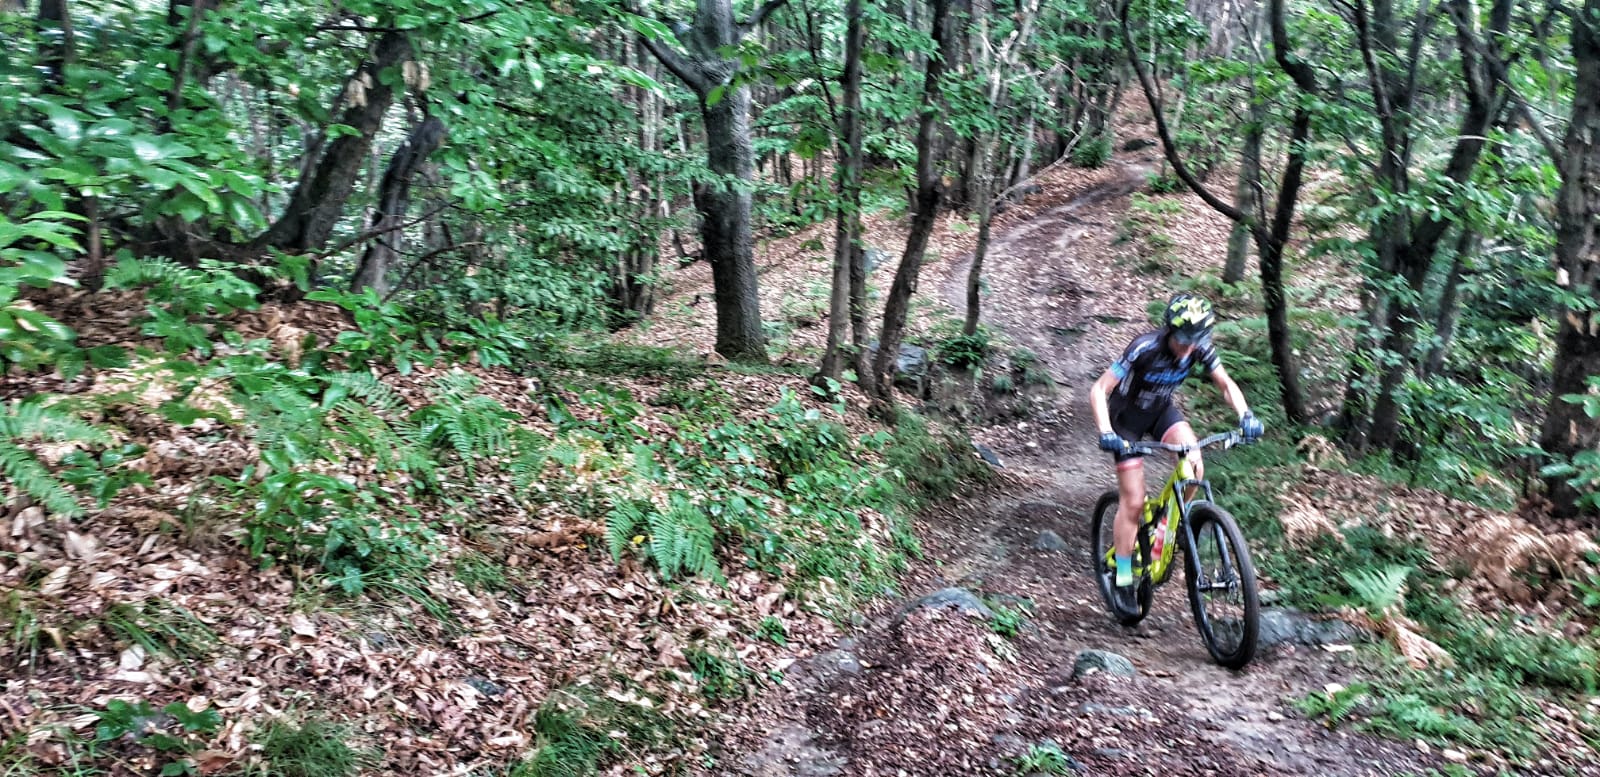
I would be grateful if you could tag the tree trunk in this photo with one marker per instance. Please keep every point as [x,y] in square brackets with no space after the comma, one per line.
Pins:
[725,227]
[1567,429]
[925,208]
[1246,192]
[1450,302]
[318,200]
[394,199]
[847,233]
[726,204]
[56,39]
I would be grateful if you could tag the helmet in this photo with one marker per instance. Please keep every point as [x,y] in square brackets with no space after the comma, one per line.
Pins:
[1189,319]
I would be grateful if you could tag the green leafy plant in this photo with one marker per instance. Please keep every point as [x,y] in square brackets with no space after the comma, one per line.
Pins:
[1046,758]
[34,420]
[30,257]
[1334,704]
[174,729]
[1092,152]
[771,628]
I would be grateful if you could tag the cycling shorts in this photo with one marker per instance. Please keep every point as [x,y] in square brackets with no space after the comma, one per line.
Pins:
[1133,424]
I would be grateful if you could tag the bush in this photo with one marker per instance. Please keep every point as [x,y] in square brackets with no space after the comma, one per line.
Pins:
[1092,153]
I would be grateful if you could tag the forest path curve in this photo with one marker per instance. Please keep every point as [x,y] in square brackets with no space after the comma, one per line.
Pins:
[864,709]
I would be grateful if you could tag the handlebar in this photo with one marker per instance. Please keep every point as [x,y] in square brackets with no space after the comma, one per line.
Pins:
[1228,440]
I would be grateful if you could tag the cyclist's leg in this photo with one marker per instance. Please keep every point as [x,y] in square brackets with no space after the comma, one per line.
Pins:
[1174,430]
[1129,425]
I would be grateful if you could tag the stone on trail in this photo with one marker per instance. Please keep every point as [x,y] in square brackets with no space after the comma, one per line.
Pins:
[1288,626]
[1049,540]
[958,598]
[1102,661]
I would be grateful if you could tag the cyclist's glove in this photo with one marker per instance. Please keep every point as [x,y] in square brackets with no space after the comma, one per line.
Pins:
[1250,426]
[1110,441]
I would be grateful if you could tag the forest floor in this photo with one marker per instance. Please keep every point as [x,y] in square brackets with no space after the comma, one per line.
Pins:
[925,691]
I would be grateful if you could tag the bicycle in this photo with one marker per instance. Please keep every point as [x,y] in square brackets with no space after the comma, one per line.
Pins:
[1218,560]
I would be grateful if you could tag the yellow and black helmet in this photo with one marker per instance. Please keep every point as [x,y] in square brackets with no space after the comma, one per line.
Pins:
[1189,318]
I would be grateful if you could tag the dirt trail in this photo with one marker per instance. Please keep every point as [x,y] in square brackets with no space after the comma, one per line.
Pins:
[894,700]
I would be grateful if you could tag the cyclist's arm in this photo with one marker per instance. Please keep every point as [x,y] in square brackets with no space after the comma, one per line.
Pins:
[1230,390]
[1097,399]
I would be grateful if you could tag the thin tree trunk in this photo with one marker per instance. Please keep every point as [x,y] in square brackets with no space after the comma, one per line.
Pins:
[848,230]
[394,199]
[926,207]
[1450,302]
[1246,192]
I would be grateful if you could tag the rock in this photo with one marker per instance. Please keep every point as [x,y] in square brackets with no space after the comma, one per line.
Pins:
[1096,708]
[1274,716]
[1288,626]
[910,367]
[1454,755]
[1049,540]
[1102,661]
[958,598]
[988,455]
[1110,752]
[1138,144]
[485,686]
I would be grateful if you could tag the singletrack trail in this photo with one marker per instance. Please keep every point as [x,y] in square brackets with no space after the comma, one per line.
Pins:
[934,695]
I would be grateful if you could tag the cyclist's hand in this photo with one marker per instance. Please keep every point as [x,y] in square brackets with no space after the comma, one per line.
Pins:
[1250,426]
[1110,441]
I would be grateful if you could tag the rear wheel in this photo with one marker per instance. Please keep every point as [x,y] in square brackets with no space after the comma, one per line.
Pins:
[1222,586]
[1128,609]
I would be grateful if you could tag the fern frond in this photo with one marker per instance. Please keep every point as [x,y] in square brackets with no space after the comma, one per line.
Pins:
[381,397]
[34,420]
[620,524]
[145,271]
[1378,590]
[22,468]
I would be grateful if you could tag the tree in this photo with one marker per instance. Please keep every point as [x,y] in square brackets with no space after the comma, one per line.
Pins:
[394,199]
[846,236]
[1271,238]
[712,73]
[925,206]
[1568,429]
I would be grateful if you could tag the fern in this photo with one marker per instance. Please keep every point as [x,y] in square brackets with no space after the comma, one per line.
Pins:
[1379,591]
[35,421]
[472,425]
[213,288]
[620,525]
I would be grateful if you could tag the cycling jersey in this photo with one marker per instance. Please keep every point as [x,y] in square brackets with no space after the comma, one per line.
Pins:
[1148,373]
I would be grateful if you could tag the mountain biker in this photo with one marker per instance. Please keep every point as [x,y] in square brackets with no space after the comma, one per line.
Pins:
[1133,398]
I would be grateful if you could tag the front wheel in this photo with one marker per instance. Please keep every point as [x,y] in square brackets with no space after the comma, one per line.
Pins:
[1128,610]
[1222,586]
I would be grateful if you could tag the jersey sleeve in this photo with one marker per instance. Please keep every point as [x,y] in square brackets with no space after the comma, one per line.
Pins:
[1206,356]
[1123,366]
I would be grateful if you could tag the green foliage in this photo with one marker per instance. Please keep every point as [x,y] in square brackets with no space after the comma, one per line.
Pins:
[174,730]
[1334,704]
[1145,227]
[1092,152]
[180,295]
[23,421]
[771,628]
[963,351]
[313,747]
[29,257]
[720,678]
[577,731]
[1378,591]
[935,461]
[1044,758]
[1007,621]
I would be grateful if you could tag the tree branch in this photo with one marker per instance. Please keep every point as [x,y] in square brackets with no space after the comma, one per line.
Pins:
[685,70]
[760,15]
[1167,145]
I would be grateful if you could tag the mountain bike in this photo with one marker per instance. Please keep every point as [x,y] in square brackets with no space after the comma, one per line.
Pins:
[1222,581]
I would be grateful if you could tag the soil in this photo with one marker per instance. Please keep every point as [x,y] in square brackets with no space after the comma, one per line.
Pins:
[938,693]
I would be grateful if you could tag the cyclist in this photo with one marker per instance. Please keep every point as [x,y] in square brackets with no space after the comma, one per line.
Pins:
[1133,398]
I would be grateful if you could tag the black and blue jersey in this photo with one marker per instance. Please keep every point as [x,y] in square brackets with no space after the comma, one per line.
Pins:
[1148,373]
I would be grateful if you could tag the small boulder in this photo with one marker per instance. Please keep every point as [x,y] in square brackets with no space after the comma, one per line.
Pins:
[1288,626]
[1102,661]
[1138,144]
[1049,540]
[958,599]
